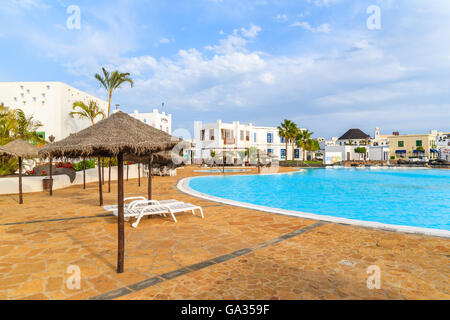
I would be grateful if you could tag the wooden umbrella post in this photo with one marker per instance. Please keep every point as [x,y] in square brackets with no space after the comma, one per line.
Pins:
[139,174]
[127,170]
[84,173]
[100,182]
[109,176]
[150,160]
[20,181]
[223,162]
[120,224]
[103,170]
[51,177]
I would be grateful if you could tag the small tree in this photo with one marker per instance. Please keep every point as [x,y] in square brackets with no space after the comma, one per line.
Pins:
[90,111]
[360,151]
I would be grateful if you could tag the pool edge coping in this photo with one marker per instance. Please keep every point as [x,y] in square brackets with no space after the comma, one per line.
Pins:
[183,186]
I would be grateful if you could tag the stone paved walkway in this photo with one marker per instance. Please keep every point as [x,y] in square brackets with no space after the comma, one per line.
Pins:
[233,253]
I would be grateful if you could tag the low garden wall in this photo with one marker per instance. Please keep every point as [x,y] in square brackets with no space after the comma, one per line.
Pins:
[10,185]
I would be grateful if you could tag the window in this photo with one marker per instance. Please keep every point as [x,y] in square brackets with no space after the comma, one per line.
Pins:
[401,144]
[254,137]
[211,134]
[269,150]
[269,137]
[202,135]
[247,135]
[297,153]
[418,143]
[241,136]
[283,140]
[283,153]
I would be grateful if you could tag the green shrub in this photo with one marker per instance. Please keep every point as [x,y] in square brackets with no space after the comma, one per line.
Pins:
[8,166]
[78,166]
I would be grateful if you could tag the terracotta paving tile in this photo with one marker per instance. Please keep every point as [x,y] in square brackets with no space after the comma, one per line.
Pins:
[327,262]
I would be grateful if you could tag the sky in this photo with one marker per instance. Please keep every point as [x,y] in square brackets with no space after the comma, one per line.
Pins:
[328,65]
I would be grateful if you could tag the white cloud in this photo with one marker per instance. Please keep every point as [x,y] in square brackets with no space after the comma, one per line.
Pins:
[324,28]
[251,32]
[323,3]
[396,77]
[280,18]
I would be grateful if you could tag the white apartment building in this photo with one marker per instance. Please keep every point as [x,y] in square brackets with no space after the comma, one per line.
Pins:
[443,145]
[161,121]
[343,149]
[220,135]
[323,142]
[50,103]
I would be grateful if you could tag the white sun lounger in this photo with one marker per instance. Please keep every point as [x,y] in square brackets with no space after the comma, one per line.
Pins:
[126,205]
[141,208]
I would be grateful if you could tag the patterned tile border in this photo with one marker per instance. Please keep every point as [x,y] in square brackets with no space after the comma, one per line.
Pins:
[183,186]
[201,265]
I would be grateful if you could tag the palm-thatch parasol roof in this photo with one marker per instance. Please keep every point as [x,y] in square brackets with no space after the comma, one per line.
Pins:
[117,136]
[4,152]
[20,148]
[120,133]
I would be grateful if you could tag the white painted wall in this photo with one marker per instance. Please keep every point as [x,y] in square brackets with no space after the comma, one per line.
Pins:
[10,185]
[257,139]
[49,103]
[161,121]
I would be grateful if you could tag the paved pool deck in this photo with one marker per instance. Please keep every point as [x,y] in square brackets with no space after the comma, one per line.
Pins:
[234,253]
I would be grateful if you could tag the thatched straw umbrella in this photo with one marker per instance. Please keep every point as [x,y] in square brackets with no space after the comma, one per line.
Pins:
[116,136]
[20,149]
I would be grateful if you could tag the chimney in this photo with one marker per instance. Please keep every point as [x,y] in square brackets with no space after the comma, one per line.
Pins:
[396,133]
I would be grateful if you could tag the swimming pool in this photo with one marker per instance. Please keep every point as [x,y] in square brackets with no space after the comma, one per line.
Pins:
[220,170]
[416,198]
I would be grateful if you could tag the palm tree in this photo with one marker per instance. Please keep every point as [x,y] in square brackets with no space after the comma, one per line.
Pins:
[90,111]
[14,124]
[8,123]
[303,140]
[113,81]
[26,127]
[287,130]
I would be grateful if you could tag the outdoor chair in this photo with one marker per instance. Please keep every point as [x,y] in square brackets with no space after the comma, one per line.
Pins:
[135,199]
[152,207]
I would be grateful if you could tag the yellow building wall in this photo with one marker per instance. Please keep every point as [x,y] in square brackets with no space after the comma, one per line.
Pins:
[409,144]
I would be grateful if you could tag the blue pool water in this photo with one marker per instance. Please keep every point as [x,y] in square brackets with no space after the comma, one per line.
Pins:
[419,198]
